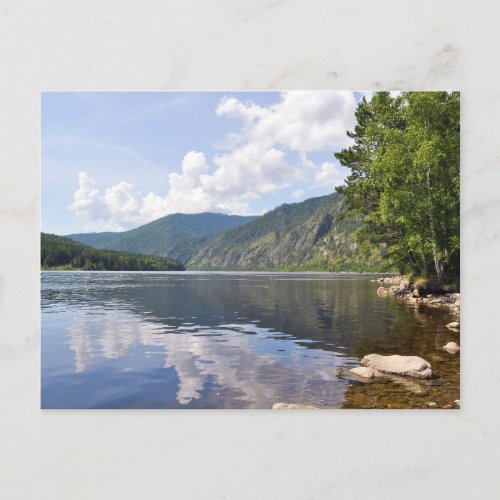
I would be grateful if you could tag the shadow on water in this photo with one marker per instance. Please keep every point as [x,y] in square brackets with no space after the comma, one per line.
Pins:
[232,340]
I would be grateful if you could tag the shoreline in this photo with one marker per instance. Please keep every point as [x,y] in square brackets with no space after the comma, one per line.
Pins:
[401,288]
[413,373]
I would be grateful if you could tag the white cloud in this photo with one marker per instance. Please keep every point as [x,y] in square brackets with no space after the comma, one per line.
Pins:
[253,162]
[301,121]
[329,175]
[297,193]
[122,199]
[87,203]
[249,171]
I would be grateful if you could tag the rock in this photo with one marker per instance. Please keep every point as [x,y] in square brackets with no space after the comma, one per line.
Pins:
[393,280]
[410,298]
[362,371]
[457,402]
[431,404]
[416,293]
[382,290]
[408,384]
[293,406]
[407,366]
[454,325]
[452,347]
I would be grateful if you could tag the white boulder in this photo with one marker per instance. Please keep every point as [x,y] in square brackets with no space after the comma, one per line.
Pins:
[452,347]
[362,371]
[454,325]
[407,366]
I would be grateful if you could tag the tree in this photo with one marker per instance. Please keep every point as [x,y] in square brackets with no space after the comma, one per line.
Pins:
[405,178]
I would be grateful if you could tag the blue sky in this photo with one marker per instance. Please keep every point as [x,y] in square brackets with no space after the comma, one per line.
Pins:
[116,160]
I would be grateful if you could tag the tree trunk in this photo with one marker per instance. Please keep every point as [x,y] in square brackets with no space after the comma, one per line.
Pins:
[413,261]
[438,265]
[424,262]
[437,262]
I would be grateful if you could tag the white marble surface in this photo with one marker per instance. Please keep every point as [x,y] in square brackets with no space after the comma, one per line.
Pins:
[248,45]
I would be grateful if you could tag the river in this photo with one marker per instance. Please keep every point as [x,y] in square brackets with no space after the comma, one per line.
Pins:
[232,340]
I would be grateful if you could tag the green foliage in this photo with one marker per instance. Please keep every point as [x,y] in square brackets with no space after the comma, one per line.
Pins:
[306,236]
[58,252]
[405,178]
[163,235]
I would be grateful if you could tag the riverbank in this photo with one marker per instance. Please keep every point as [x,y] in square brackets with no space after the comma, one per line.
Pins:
[402,378]
[422,380]
[401,288]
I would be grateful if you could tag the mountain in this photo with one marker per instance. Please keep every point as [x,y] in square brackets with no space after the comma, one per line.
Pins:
[306,236]
[58,252]
[158,236]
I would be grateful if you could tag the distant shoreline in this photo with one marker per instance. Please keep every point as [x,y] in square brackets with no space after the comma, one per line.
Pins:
[221,271]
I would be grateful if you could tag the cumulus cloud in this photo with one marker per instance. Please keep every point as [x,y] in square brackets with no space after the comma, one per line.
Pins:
[87,202]
[249,171]
[267,154]
[329,174]
[301,121]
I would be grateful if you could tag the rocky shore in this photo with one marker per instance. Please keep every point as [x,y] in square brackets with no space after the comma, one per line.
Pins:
[411,374]
[402,369]
[400,287]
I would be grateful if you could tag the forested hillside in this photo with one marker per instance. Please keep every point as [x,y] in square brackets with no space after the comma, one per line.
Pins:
[307,236]
[312,235]
[58,252]
[159,236]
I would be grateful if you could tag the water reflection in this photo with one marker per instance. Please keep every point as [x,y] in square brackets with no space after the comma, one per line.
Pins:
[256,366]
[203,340]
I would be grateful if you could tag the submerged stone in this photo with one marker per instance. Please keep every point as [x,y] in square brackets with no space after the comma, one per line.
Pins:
[452,347]
[362,371]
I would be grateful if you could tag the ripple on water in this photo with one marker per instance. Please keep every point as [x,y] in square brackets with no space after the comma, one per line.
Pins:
[129,340]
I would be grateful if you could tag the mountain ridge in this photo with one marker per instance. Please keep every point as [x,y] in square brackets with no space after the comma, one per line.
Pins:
[156,236]
[312,235]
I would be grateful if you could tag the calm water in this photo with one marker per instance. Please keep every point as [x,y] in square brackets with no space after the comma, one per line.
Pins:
[232,340]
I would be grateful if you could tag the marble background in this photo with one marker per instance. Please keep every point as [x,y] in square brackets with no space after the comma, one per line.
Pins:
[275,44]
